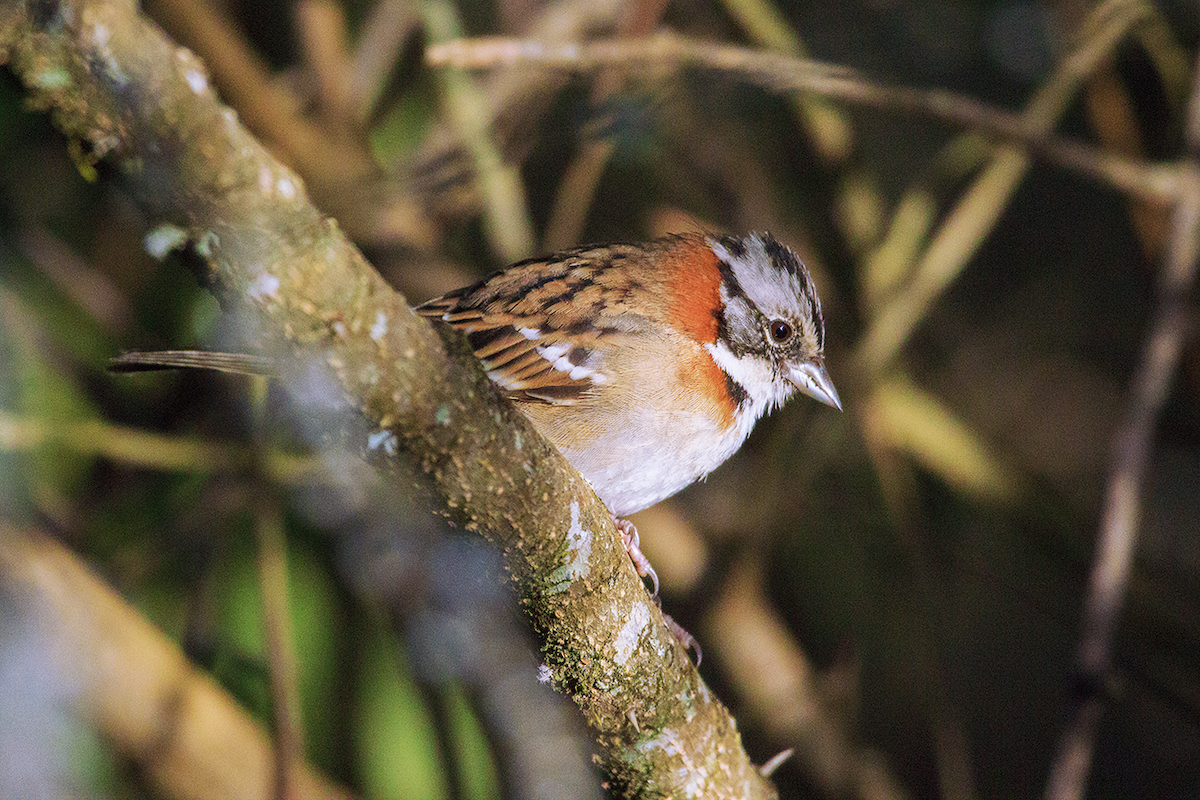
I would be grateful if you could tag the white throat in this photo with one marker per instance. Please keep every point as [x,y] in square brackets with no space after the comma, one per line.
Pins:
[764,389]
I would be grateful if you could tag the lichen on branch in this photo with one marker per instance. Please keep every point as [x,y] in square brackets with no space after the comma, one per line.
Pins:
[140,105]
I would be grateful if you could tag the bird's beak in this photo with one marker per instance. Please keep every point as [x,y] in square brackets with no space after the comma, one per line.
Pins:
[813,379]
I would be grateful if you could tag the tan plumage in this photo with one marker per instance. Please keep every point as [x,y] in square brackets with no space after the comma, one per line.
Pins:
[646,364]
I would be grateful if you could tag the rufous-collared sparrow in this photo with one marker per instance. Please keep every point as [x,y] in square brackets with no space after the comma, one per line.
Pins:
[647,365]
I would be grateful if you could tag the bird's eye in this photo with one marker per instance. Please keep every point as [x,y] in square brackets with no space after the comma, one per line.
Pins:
[781,331]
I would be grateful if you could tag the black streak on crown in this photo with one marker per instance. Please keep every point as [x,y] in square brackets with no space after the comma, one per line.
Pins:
[733,291]
[732,287]
[736,245]
[784,258]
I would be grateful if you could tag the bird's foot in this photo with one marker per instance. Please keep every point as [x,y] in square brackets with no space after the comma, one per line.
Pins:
[632,542]
[629,537]
[686,639]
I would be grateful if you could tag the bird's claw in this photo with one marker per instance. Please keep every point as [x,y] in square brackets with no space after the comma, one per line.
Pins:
[629,537]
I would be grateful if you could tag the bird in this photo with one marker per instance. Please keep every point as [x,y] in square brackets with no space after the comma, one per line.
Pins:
[648,364]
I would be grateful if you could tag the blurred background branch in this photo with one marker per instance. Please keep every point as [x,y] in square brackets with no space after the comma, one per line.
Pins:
[187,734]
[1134,441]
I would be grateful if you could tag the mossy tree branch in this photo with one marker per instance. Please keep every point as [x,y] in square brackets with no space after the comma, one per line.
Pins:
[116,84]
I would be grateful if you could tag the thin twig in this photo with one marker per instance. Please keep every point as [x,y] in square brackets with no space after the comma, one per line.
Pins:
[1122,504]
[786,74]
[578,186]
[277,618]
[266,106]
[439,172]
[324,43]
[86,286]
[148,450]
[388,26]
[826,125]
[281,652]
[335,167]
[755,643]
[980,207]
[506,218]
